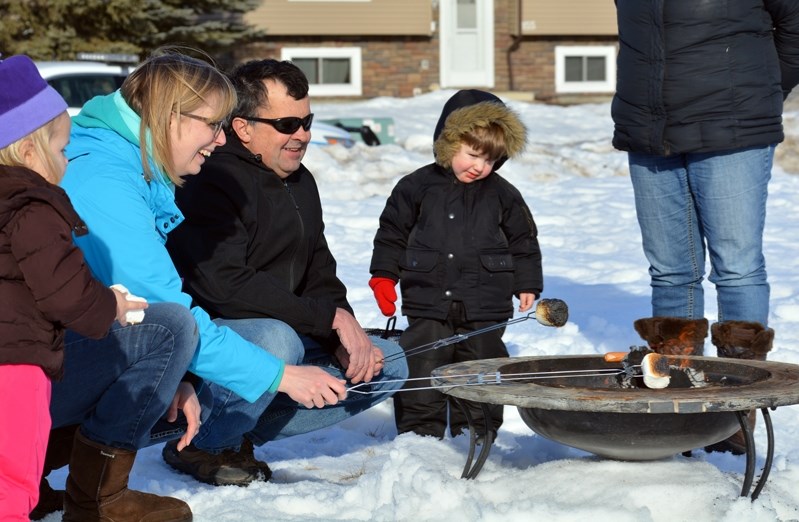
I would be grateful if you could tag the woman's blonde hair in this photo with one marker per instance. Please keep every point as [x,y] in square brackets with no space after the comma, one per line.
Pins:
[172,82]
[13,155]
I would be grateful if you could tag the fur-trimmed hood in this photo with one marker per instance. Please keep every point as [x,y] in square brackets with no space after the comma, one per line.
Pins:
[470,109]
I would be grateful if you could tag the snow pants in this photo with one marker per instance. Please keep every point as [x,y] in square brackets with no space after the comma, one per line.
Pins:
[427,411]
[24,429]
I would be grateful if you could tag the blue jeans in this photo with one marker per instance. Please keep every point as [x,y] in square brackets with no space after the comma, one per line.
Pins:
[119,387]
[689,204]
[275,415]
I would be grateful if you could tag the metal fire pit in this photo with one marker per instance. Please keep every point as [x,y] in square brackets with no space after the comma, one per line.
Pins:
[580,401]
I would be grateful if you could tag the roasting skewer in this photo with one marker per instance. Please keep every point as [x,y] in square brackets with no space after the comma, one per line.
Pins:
[548,312]
[654,371]
[484,379]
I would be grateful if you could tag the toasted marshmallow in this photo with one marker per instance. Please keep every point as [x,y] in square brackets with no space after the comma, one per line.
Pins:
[655,368]
[552,312]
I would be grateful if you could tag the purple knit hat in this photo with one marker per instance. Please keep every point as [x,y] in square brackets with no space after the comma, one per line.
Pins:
[26,101]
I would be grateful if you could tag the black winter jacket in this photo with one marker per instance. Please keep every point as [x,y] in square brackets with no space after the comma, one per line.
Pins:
[703,75]
[450,241]
[253,245]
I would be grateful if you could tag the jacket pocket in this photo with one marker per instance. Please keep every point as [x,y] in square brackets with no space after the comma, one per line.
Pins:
[417,260]
[495,284]
[420,280]
[497,262]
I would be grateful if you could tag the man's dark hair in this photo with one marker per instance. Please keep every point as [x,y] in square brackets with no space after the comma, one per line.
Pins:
[248,79]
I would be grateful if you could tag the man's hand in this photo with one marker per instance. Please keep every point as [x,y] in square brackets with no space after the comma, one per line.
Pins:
[311,386]
[357,358]
[186,400]
[377,353]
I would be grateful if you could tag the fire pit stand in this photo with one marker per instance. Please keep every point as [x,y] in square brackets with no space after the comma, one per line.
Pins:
[580,401]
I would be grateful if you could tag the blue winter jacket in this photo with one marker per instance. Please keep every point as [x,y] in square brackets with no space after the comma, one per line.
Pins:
[129,219]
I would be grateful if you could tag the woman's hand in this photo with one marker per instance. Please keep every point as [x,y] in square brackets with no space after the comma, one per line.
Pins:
[186,400]
[311,386]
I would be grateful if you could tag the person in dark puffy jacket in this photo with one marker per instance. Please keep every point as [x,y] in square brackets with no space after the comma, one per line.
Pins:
[462,242]
[45,284]
[698,108]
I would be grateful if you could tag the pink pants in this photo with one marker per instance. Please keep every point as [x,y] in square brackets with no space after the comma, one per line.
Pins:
[24,429]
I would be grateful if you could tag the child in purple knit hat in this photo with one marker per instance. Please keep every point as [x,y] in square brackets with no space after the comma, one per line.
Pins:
[45,285]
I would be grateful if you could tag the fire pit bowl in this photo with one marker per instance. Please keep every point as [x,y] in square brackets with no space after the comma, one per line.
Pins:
[580,400]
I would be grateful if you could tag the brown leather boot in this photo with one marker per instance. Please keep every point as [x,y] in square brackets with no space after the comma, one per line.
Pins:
[97,489]
[59,449]
[673,335]
[740,340]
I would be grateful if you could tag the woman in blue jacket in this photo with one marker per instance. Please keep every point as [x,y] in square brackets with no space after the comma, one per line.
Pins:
[128,152]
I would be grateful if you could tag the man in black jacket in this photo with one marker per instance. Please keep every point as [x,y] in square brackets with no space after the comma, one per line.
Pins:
[698,108]
[253,247]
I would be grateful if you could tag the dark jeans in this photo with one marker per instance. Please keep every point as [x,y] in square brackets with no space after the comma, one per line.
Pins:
[275,415]
[117,388]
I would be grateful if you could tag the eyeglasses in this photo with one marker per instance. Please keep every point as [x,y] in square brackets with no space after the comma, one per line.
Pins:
[216,126]
[288,125]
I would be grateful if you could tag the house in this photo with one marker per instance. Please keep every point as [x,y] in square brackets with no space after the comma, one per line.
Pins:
[557,51]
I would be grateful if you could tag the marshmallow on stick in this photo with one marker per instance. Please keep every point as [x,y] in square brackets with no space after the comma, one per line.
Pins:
[655,368]
[132,316]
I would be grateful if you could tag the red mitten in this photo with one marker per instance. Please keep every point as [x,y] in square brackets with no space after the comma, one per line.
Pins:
[385,294]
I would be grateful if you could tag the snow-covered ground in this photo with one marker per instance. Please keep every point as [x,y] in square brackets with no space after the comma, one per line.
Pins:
[577,187]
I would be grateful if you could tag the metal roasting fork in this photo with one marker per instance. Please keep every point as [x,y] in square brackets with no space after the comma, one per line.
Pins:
[435,345]
[483,379]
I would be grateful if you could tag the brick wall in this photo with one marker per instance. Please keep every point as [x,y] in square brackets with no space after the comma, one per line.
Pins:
[396,66]
[406,66]
[532,67]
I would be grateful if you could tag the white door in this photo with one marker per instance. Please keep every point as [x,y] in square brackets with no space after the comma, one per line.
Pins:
[467,43]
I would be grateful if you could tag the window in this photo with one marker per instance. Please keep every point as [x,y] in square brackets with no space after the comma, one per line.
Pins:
[585,69]
[467,14]
[78,88]
[331,71]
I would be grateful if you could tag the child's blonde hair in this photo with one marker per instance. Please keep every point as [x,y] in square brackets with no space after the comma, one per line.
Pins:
[489,140]
[12,155]
[171,82]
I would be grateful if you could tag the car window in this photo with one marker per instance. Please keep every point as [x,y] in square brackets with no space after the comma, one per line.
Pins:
[77,89]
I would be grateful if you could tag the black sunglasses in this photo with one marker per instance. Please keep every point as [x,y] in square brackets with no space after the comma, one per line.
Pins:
[216,126]
[288,125]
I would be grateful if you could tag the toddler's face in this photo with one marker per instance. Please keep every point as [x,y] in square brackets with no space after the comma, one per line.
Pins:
[59,138]
[470,165]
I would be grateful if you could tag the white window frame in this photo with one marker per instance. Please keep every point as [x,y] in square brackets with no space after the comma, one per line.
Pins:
[564,51]
[353,88]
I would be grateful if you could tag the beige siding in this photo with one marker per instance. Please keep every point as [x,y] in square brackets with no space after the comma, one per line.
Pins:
[343,18]
[568,17]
